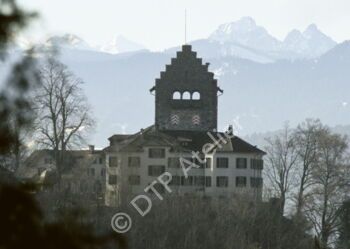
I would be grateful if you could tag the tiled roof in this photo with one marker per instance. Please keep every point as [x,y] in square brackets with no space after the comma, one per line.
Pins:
[180,140]
[199,138]
[136,142]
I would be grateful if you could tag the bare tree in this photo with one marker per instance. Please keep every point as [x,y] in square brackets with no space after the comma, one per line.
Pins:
[281,161]
[331,180]
[63,112]
[305,137]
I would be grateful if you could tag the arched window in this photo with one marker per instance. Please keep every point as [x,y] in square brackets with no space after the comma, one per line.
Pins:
[196,96]
[186,95]
[176,95]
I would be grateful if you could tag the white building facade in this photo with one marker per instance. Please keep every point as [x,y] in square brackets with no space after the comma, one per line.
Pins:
[133,167]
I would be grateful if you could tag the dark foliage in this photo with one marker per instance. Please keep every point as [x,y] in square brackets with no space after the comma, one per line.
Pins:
[23,226]
[192,222]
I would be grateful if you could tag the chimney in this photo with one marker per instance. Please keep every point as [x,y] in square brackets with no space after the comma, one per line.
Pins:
[230,130]
[91,148]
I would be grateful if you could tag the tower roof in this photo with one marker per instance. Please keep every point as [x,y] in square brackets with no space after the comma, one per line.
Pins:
[185,141]
[181,62]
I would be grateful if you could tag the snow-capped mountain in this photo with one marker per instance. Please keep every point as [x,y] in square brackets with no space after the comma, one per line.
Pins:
[67,41]
[246,32]
[241,39]
[310,44]
[245,39]
[120,44]
[216,49]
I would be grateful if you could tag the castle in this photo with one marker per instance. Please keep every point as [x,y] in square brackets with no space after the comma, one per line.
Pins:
[186,114]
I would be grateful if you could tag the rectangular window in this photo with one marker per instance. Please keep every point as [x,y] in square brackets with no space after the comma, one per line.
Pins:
[208,163]
[222,181]
[173,162]
[199,181]
[260,164]
[187,181]
[175,181]
[241,163]
[134,180]
[156,153]
[159,188]
[256,164]
[222,162]
[241,181]
[113,161]
[97,160]
[187,161]
[253,164]
[208,181]
[112,179]
[134,161]
[156,170]
[103,172]
[256,182]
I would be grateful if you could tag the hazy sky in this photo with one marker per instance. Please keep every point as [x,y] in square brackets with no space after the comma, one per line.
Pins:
[159,24]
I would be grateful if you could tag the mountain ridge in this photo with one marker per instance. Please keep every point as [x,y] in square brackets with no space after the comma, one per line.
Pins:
[243,38]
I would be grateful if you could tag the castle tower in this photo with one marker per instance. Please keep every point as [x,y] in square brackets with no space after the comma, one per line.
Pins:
[186,94]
